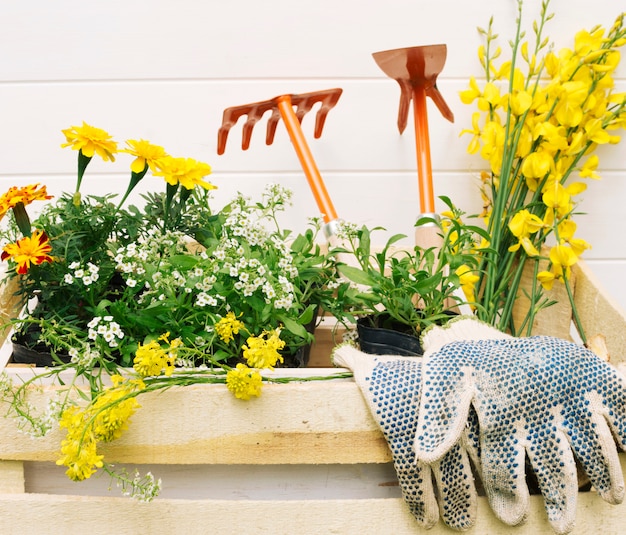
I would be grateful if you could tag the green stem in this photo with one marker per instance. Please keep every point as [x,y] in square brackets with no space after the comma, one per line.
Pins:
[135,178]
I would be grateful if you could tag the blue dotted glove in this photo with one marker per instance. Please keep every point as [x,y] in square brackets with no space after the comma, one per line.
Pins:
[540,397]
[391,388]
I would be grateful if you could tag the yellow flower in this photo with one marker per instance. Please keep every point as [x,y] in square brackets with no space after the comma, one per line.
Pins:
[227,326]
[78,448]
[588,170]
[146,154]
[469,95]
[103,420]
[492,138]
[25,196]
[546,278]
[563,258]
[537,165]
[468,280]
[184,171]
[522,225]
[244,382]
[595,132]
[29,250]
[569,110]
[474,144]
[90,140]
[151,360]
[263,351]
[520,102]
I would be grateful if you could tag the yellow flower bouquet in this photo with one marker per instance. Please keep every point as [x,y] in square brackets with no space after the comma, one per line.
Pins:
[541,115]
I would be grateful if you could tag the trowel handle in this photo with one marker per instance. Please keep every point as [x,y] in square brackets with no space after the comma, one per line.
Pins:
[422,151]
[428,233]
[307,162]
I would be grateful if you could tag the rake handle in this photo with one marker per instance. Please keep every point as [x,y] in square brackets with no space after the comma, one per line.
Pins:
[422,150]
[316,183]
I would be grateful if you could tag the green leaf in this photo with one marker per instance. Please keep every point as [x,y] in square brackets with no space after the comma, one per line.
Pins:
[293,326]
[356,275]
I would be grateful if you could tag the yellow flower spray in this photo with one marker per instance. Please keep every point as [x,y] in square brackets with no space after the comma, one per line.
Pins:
[541,114]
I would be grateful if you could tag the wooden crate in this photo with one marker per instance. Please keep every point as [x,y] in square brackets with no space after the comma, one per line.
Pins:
[304,458]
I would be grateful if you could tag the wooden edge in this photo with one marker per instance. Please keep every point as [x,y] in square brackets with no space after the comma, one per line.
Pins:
[296,423]
[599,313]
[67,515]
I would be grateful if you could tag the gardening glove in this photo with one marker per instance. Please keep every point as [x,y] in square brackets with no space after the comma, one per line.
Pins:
[391,388]
[540,397]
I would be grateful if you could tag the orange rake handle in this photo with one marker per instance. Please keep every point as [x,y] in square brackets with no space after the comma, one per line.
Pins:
[316,183]
[283,107]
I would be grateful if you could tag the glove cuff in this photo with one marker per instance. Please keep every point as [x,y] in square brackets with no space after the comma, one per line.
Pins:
[463,328]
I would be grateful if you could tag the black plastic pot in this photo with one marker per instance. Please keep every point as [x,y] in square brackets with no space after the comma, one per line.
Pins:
[299,359]
[26,355]
[381,341]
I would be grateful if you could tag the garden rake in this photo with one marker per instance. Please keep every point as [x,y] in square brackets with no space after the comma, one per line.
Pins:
[282,107]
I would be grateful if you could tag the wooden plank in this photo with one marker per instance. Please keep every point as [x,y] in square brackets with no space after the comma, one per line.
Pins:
[295,423]
[255,40]
[599,313]
[68,515]
[360,134]
[11,477]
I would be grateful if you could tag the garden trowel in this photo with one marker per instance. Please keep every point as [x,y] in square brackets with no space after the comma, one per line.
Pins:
[416,70]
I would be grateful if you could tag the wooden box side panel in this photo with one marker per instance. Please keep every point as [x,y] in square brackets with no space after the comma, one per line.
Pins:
[599,313]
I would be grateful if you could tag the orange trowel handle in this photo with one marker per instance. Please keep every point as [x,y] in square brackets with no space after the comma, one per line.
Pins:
[306,159]
[422,150]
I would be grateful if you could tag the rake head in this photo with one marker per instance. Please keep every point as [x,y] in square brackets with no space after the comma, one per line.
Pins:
[255,111]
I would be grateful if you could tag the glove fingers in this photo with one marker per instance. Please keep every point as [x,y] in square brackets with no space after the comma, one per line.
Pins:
[595,448]
[416,484]
[555,468]
[390,386]
[447,392]
[455,483]
[503,476]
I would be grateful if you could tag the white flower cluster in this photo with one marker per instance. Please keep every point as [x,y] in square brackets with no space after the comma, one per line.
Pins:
[346,230]
[245,225]
[141,488]
[105,327]
[85,356]
[85,274]
[277,195]
[131,260]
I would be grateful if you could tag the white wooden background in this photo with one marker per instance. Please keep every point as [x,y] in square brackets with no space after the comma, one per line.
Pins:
[164,71]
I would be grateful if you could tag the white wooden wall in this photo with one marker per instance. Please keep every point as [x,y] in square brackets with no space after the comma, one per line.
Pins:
[165,70]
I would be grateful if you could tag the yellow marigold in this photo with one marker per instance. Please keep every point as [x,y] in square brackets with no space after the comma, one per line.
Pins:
[25,195]
[90,140]
[146,155]
[244,382]
[184,171]
[29,250]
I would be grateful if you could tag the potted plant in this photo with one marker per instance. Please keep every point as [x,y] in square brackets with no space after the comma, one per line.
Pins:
[394,293]
[102,279]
